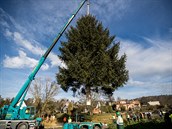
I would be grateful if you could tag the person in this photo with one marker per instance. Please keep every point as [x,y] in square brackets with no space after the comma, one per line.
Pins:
[160,114]
[27,111]
[128,118]
[64,119]
[69,120]
[119,121]
[170,117]
[149,115]
[134,117]
[144,115]
[141,116]
[167,118]
[138,117]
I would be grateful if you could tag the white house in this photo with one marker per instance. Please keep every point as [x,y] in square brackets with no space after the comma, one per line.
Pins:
[153,103]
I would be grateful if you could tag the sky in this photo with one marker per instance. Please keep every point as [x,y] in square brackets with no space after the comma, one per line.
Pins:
[143,28]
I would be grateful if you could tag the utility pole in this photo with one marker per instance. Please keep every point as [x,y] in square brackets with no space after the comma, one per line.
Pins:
[88,7]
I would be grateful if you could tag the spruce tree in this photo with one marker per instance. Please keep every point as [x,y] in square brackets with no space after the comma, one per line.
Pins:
[92,59]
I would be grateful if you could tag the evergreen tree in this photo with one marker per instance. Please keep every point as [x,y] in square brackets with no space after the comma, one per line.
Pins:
[92,59]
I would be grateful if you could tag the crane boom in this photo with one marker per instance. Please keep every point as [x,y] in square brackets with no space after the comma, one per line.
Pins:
[12,112]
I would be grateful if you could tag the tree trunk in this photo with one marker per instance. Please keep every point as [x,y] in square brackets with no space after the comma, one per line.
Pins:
[88,99]
[88,95]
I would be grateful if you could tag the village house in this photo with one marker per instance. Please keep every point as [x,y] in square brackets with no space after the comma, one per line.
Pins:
[128,105]
[96,111]
[153,103]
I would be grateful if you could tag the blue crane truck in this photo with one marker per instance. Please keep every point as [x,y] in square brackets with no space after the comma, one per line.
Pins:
[14,116]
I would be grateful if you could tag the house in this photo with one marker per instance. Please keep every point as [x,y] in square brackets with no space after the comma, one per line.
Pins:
[153,103]
[123,102]
[128,105]
[96,111]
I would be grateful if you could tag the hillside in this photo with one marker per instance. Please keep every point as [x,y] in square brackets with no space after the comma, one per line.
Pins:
[163,99]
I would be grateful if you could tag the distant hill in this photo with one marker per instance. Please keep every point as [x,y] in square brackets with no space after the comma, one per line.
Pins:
[163,99]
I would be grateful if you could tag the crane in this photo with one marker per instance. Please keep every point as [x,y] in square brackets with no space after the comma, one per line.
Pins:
[15,116]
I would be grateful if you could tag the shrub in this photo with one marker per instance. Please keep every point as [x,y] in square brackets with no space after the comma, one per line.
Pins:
[148,125]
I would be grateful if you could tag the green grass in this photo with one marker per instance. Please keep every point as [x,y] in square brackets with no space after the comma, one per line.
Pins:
[104,118]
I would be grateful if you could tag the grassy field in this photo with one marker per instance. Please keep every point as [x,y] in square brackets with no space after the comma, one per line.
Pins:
[107,118]
[104,118]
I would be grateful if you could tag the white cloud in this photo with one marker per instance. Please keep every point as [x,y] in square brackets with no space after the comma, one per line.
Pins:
[130,95]
[45,66]
[17,37]
[8,33]
[48,18]
[8,21]
[55,61]
[21,61]
[132,82]
[136,91]
[148,61]
[3,17]
[150,67]
[34,49]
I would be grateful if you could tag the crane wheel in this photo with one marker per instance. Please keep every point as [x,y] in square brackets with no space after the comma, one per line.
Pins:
[23,126]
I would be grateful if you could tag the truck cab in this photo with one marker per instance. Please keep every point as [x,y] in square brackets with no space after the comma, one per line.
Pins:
[27,113]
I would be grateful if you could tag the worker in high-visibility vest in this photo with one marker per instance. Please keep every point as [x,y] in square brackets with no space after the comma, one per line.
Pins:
[69,120]
[119,121]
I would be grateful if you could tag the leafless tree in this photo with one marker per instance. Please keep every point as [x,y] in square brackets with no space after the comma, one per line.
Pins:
[95,98]
[43,92]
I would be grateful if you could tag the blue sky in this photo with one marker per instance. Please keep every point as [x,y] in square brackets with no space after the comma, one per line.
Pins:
[144,28]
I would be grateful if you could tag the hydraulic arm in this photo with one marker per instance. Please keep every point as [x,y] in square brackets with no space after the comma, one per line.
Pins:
[13,110]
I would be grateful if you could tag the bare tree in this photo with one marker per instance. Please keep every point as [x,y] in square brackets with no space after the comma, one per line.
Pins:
[94,97]
[43,92]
